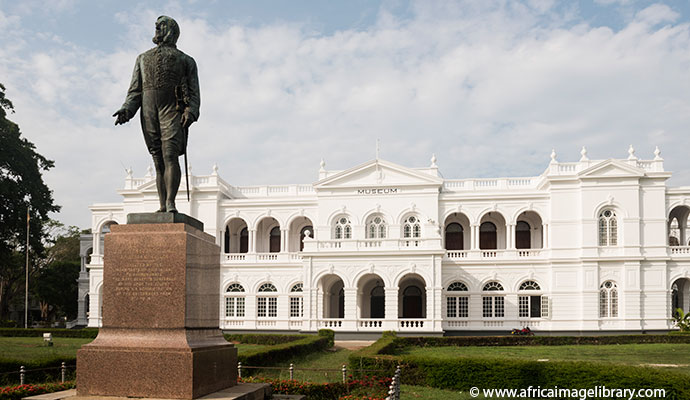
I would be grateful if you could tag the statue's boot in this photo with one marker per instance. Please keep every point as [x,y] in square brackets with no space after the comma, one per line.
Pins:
[170,207]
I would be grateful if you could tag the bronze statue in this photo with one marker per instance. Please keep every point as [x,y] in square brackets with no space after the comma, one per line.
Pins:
[166,87]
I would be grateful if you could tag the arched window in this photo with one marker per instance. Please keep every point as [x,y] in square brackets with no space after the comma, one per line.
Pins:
[457,303]
[493,306]
[532,305]
[274,240]
[454,236]
[608,228]
[343,228]
[296,301]
[523,238]
[412,227]
[488,236]
[376,227]
[267,305]
[234,301]
[608,300]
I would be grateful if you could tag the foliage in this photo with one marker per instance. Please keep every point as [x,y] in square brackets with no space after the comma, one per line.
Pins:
[37,370]
[262,338]
[20,391]
[370,388]
[461,373]
[535,340]
[88,333]
[21,186]
[682,320]
[57,288]
[280,351]
[328,333]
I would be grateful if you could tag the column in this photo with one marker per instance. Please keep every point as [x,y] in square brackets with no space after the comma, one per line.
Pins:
[283,240]
[252,241]
[510,236]
[391,309]
[545,236]
[474,237]
[350,308]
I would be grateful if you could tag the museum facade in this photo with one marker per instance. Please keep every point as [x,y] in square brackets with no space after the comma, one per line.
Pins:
[587,246]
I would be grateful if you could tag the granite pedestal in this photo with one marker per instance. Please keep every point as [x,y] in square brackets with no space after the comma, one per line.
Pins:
[160,335]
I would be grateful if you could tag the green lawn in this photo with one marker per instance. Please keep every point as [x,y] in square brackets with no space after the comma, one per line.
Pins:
[630,354]
[33,349]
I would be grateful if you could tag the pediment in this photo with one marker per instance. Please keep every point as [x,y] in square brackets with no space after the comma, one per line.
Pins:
[378,173]
[611,169]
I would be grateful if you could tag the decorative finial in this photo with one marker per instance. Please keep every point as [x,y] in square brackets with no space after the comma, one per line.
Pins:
[215,169]
[583,152]
[657,154]
[149,171]
[553,156]
[631,153]
[322,164]
[433,161]
[377,148]
[129,172]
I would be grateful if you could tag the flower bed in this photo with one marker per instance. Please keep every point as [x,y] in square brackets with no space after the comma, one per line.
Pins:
[365,388]
[18,392]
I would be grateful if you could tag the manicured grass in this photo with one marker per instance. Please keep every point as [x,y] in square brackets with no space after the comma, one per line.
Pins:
[629,354]
[33,348]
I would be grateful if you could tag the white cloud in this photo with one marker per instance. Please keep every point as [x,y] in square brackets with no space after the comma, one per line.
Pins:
[483,85]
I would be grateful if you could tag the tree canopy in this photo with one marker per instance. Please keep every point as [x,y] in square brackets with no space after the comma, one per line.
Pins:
[21,186]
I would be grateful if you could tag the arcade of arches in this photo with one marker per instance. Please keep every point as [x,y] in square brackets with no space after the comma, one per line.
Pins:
[528,232]
[268,237]
[371,299]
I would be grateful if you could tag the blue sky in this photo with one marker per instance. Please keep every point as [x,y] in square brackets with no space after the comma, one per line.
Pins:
[489,86]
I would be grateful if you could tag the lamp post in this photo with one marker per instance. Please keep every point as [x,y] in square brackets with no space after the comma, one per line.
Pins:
[26,282]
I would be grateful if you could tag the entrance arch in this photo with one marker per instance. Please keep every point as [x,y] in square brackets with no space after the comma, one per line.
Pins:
[680,295]
[331,287]
[412,297]
[371,300]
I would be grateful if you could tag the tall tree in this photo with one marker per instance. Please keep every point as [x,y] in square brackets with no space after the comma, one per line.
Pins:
[21,186]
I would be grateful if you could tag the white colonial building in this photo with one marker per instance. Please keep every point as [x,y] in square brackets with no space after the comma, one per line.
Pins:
[593,245]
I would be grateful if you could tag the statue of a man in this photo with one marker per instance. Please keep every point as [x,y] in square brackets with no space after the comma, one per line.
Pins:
[166,87]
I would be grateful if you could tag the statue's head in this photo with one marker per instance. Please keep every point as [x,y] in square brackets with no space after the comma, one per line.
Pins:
[167,31]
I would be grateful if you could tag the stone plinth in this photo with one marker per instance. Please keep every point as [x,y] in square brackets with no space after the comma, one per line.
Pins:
[160,335]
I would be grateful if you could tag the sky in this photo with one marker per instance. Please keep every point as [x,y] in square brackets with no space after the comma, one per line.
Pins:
[490,87]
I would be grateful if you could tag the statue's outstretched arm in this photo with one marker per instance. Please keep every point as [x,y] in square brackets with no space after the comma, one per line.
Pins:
[133,99]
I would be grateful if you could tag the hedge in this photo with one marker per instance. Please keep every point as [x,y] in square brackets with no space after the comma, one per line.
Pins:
[37,371]
[538,340]
[370,388]
[303,344]
[262,338]
[87,333]
[462,373]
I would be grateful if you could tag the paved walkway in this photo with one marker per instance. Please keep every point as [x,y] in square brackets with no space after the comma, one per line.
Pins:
[353,344]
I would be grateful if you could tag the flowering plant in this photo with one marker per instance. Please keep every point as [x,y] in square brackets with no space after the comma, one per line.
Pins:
[18,392]
[366,388]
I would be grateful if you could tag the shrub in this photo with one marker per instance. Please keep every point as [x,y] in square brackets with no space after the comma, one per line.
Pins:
[86,333]
[535,340]
[464,372]
[304,344]
[329,334]
[263,338]
[370,388]
[37,371]
[682,320]
[20,391]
